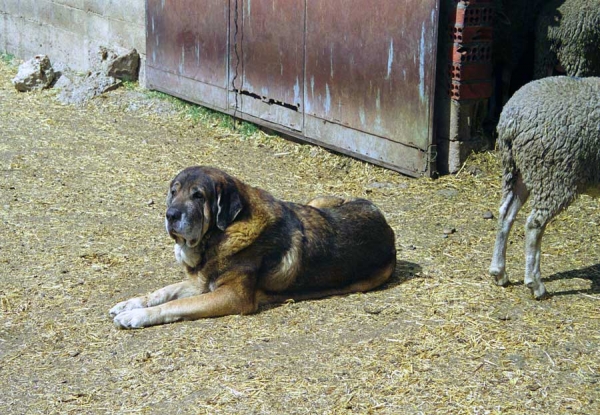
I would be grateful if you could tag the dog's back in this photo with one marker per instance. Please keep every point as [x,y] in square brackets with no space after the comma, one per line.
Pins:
[342,244]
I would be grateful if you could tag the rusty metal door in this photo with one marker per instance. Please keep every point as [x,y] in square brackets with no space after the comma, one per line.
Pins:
[370,70]
[267,60]
[354,76]
[186,49]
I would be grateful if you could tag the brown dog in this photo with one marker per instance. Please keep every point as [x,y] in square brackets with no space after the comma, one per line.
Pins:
[241,247]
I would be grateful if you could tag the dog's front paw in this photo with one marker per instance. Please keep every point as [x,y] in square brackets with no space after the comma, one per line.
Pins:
[126,306]
[134,319]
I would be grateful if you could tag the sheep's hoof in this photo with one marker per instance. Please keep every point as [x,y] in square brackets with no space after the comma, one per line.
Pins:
[500,277]
[538,290]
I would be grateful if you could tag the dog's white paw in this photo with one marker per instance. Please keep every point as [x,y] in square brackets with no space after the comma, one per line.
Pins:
[126,306]
[134,319]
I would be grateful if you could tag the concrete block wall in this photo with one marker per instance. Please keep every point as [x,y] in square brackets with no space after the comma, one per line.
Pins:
[71,31]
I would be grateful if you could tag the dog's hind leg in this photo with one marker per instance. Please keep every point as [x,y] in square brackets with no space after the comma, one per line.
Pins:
[369,284]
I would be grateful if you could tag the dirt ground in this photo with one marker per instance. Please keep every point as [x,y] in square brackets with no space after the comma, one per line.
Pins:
[81,204]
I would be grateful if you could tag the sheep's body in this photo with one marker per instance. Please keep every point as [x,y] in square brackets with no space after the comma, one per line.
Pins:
[568,37]
[549,137]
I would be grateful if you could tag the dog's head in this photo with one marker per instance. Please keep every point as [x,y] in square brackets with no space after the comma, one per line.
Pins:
[200,199]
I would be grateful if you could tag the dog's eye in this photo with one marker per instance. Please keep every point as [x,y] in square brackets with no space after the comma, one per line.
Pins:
[173,191]
[198,196]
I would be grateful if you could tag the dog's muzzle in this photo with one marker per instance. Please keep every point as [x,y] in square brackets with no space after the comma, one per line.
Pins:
[173,221]
[176,228]
[173,214]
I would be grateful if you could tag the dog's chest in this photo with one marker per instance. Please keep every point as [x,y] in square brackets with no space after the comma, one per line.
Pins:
[186,256]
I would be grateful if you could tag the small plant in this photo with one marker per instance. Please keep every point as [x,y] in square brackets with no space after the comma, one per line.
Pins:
[247,129]
[161,96]
[130,85]
[7,57]
[200,114]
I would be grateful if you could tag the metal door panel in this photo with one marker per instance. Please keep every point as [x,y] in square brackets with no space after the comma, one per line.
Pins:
[354,76]
[378,150]
[188,38]
[186,88]
[371,66]
[264,110]
[267,60]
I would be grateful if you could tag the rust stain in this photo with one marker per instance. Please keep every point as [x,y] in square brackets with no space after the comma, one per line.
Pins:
[188,39]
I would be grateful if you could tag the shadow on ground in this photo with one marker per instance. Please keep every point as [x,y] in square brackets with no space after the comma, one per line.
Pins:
[591,273]
[405,271]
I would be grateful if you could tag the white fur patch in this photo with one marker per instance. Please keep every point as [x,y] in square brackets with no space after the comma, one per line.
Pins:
[134,319]
[131,304]
[285,273]
[186,256]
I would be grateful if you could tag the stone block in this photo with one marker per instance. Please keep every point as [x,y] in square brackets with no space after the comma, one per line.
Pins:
[13,7]
[97,28]
[9,35]
[118,64]
[81,90]
[95,6]
[67,18]
[126,35]
[3,33]
[142,80]
[76,4]
[36,73]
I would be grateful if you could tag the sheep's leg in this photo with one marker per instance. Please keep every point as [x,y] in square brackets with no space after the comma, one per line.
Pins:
[534,230]
[512,201]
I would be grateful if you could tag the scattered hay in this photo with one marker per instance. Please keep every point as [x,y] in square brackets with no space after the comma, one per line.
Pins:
[82,193]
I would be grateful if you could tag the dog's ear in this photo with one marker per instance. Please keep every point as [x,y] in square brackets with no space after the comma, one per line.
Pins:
[229,205]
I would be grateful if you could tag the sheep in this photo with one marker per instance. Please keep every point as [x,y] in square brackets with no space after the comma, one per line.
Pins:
[567,38]
[549,138]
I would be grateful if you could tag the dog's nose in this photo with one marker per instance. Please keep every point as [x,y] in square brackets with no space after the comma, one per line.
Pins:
[173,214]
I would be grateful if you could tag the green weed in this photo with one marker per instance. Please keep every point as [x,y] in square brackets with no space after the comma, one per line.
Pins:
[6,57]
[130,85]
[206,116]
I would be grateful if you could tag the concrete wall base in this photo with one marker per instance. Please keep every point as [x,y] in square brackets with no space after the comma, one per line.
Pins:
[70,32]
